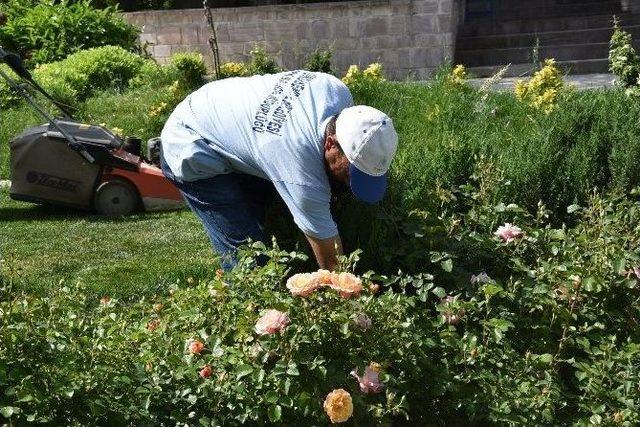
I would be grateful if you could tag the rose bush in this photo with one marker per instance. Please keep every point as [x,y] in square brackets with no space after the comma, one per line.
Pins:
[540,330]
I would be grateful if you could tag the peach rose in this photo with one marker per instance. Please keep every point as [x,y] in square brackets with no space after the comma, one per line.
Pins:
[324,277]
[508,232]
[195,347]
[302,284]
[206,372]
[157,307]
[105,300]
[347,284]
[374,288]
[338,406]
[369,381]
[271,322]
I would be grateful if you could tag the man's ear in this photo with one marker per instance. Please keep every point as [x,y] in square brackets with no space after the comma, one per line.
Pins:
[329,142]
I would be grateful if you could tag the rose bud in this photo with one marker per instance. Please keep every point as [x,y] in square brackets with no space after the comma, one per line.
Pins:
[206,372]
[195,347]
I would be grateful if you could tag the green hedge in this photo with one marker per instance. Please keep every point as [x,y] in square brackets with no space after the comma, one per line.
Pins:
[546,336]
[591,141]
[48,31]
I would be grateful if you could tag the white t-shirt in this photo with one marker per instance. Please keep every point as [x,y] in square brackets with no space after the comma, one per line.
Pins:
[270,126]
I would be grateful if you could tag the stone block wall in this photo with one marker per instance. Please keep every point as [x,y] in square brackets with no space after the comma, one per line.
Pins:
[409,37]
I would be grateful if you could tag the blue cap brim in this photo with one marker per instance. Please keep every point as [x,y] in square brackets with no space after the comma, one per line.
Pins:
[365,187]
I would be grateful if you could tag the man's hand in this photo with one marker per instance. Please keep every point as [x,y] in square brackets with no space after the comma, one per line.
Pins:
[326,251]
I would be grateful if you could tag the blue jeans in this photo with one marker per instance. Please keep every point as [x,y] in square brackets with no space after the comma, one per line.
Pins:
[232,208]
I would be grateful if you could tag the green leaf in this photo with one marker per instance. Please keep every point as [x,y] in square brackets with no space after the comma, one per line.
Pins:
[545,358]
[271,396]
[293,369]
[275,413]
[447,265]
[244,370]
[618,265]
[344,328]
[26,398]
[491,289]
[8,411]
[573,208]
[439,292]
[557,234]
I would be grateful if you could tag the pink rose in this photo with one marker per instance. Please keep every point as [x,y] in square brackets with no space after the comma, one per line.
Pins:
[206,372]
[195,347]
[363,321]
[636,271]
[369,381]
[508,232]
[271,322]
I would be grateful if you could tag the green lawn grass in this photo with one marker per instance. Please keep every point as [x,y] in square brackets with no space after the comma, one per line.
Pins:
[126,257]
[591,141]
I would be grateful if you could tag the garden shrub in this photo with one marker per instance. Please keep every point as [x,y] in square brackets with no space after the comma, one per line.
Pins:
[50,31]
[84,73]
[190,67]
[538,326]
[623,60]
[261,63]
[320,61]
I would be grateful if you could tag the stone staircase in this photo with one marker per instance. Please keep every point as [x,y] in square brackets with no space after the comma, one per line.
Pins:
[574,32]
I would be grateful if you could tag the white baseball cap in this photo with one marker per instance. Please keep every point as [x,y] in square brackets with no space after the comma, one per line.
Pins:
[369,141]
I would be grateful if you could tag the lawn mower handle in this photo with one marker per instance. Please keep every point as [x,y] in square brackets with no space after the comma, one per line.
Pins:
[15,63]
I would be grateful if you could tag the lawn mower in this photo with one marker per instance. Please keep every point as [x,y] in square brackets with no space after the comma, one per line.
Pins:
[65,162]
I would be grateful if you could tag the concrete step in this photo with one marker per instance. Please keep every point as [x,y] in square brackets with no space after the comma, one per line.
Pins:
[588,66]
[535,10]
[527,26]
[555,38]
[473,58]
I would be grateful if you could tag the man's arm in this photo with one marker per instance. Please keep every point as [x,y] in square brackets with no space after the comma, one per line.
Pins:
[326,251]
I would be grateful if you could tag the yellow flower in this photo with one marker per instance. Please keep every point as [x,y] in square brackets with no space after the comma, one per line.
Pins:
[520,90]
[353,74]
[374,72]
[233,69]
[458,75]
[543,89]
[338,406]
